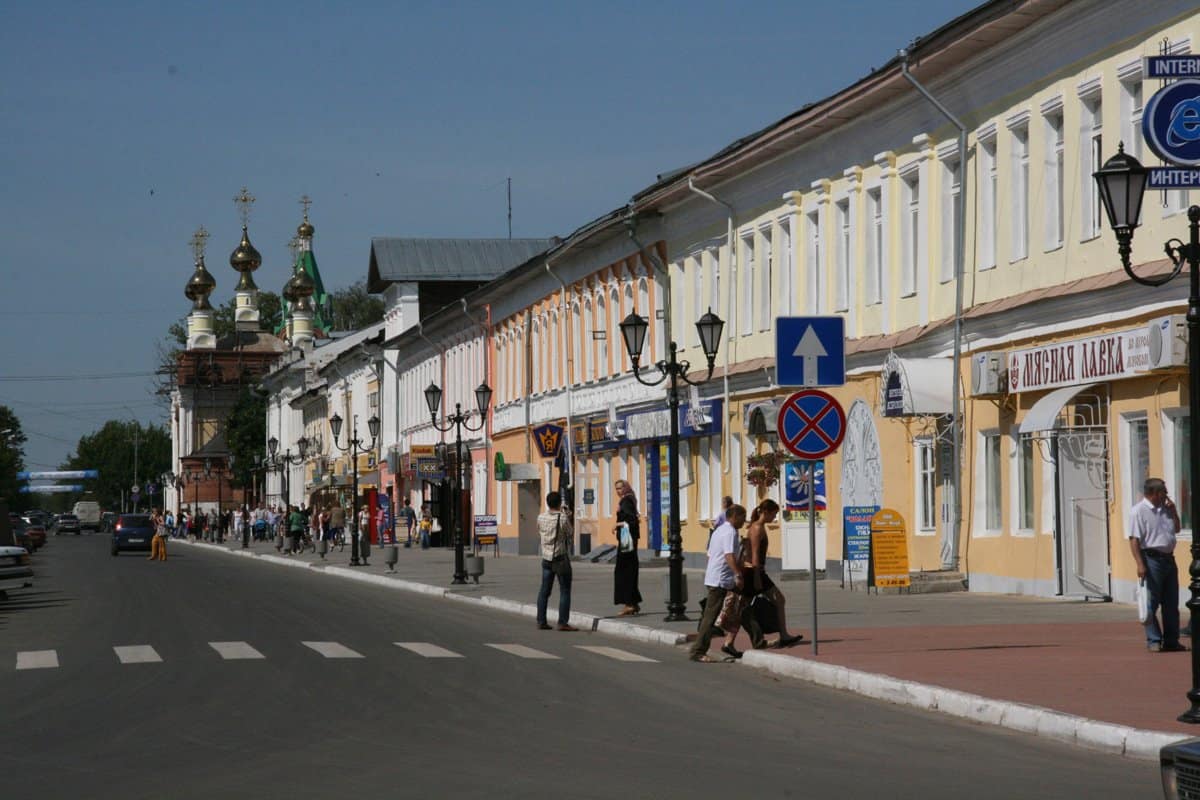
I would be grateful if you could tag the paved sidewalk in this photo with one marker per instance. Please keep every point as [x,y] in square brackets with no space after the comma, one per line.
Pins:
[1056,668]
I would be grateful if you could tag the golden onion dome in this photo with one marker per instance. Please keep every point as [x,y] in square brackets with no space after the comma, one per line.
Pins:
[289,289]
[306,229]
[303,287]
[244,257]
[200,286]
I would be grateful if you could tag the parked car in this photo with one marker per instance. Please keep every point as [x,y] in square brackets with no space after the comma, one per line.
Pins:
[20,537]
[108,521]
[67,523]
[1180,765]
[36,532]
[15,569]
[132,532]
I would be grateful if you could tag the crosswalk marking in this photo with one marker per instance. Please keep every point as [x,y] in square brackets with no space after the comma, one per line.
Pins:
[612,652]
[235,650]
[37,659]
[137,654]
[521,651]
[428,650]
[332,649]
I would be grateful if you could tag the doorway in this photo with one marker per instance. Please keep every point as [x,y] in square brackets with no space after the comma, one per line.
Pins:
[529,505]
[1082,532]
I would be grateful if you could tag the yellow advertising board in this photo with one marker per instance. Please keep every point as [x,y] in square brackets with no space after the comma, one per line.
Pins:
[889,549]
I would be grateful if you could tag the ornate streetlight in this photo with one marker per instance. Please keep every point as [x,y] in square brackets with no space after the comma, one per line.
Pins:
[1122,181]
[353,445]
[458,421]
[283,462]
[633,331]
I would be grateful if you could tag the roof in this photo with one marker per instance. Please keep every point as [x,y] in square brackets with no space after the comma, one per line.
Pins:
[252,342]
[447,259]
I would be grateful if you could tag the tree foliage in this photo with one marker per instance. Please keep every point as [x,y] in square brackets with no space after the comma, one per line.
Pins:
[12,459]
[111,450]
[354,308]
[245,433]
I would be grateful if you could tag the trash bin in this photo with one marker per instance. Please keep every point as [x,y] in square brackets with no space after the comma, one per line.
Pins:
[391,556]
[475,567]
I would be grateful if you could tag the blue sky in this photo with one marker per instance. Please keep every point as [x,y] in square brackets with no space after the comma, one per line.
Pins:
[124,126]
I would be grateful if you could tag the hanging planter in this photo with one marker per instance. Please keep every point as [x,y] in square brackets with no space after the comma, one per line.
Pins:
[763,470]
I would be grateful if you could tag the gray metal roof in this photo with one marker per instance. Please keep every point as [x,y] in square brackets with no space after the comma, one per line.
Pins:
[447,259]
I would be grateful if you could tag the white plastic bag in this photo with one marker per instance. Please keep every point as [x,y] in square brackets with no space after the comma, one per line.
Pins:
[1143,601]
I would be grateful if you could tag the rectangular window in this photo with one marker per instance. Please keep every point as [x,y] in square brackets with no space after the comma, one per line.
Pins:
[1019,201]
[766,283]
[988,206]
[875,245]
[714,279]
[746,290]
[1131,114]
[697,278]
[1025,489]
[910,234]
[1093,156]
[1053,177]
[991,481]
[951,191]
[1182,490]
[841,288]
[787,267]
[814,263]
[926,486]
[1139,457]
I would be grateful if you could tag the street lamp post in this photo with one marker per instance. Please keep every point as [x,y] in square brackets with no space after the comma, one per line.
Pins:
[458,421]
[208,477]
[284,462]
[352,446]
[1122,181]
[633,331]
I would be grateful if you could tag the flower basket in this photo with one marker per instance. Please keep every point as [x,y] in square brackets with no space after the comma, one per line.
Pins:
[763,470]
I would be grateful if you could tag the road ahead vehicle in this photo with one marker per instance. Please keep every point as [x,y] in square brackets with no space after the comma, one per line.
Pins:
[36,532]
[88,512]
[132,532]
[15,571]
[67,523]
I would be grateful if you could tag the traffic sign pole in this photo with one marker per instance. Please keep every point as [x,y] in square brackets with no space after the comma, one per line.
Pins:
[812,548]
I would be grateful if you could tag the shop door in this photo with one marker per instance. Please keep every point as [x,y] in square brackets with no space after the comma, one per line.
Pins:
[1082,529]
[529,505]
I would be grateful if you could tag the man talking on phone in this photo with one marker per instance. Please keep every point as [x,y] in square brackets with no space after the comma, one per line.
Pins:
[1153,525]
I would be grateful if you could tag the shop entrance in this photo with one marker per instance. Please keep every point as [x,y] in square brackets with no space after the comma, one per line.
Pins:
[529,505]
[1082,530]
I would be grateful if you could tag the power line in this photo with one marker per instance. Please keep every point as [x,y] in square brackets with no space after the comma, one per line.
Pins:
[94,377]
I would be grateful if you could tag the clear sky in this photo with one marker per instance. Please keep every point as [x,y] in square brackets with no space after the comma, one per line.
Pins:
[124,126]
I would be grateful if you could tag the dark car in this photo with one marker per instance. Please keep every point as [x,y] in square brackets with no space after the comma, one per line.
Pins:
[36,532]
[132,532]
[1180,763]
[67,523]
[20,536]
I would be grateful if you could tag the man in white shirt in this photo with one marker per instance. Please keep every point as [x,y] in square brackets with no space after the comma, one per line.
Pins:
[1153,525]
[723,575]
[555,531]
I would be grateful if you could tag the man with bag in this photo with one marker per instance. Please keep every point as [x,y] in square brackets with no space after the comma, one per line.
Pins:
[1153,525]
[556,530]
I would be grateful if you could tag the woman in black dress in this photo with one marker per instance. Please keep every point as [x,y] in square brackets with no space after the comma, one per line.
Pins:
[625,577]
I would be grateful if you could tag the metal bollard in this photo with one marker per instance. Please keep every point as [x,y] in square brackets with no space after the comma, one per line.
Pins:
[391,556]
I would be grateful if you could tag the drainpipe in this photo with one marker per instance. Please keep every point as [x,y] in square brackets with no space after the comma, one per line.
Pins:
[487,422]
[950,544]
[730,310]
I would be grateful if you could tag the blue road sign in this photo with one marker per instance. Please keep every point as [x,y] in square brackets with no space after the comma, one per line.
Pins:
[810,351]
[811,424]
[1171,123]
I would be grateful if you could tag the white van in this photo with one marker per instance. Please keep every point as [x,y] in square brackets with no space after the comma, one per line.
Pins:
[88,512]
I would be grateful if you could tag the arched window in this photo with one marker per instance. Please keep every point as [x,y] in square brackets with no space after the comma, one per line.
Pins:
[602,366]
[536,361]
[620,359]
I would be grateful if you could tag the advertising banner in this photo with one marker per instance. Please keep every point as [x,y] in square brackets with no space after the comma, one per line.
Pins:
[801,477]
[856,535]
[889,550]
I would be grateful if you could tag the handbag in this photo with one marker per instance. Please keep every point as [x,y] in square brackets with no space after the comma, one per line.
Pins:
[765,613]
[1142,598]
[559,565]
[624,538]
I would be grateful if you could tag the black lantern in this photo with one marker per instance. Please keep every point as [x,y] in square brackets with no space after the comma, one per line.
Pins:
[1122,181]
[433,398]
[709,327]
[372,426]
[483,397]
[335,425]
[272,446]
[302,447]
[633,329]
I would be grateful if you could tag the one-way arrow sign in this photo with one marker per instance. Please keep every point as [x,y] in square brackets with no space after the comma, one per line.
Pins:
[810,351]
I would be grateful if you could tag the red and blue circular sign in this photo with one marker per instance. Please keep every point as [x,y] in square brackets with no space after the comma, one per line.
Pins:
[1171,123]
[811,424]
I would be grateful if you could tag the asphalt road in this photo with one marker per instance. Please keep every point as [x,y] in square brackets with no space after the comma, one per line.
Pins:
[394,722]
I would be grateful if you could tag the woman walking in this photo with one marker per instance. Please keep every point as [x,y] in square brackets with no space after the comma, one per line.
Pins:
[628,531]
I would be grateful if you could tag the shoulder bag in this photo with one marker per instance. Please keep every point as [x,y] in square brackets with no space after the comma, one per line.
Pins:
[559,565]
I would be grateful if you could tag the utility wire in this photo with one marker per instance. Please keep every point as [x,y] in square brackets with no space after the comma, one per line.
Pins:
[93,377]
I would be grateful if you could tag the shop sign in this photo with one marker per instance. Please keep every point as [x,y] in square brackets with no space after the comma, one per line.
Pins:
[486,532]
[856,532]
[548,439]
[893,396]
[1171,121]
[1110,356]
[430,469]
[889,550]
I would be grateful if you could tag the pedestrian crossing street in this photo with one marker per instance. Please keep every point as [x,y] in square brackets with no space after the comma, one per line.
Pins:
[244,651]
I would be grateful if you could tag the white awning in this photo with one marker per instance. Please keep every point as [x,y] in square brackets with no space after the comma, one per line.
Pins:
[761,417]
[1044,414]
[916,386]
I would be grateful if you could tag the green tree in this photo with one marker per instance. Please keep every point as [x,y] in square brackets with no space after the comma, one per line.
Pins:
[354,308]
[245,433]
[12,459]
[116,450]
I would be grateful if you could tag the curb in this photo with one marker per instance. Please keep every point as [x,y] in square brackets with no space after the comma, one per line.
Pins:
[1042,722]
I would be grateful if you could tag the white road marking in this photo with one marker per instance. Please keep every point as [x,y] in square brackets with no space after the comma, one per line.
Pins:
[37,659]
[235,650]
[612,652]
[428,650]
[521,651]
[332,650]
[137,654]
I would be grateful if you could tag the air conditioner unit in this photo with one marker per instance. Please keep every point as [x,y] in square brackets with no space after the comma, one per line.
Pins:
[1168,343]
[987,373]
